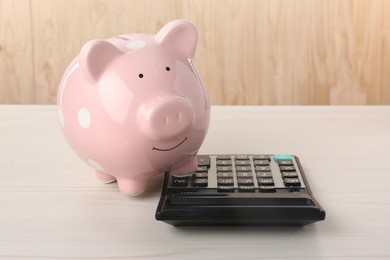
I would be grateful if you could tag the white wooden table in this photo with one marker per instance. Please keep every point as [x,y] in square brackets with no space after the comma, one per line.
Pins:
[51,206]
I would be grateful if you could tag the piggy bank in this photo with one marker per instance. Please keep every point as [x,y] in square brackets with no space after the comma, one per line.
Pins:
[134,106]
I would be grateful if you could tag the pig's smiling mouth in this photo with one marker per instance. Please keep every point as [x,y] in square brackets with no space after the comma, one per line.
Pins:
[169,149]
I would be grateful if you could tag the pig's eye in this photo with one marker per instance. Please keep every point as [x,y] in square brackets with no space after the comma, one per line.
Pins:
[141,75]
[168,68]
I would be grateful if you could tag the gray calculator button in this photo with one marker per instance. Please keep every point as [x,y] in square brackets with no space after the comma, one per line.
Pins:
[223,157]
[265,181]
[225,181]
[200,175]
[224,163]
[285,162]
[289,174]
[264,174]
[224,168]
[225,174]
[243,163]
[244,174]
[261,162]
[287,168]
[263,168]
[202,169]
[292,182]
[245,181]
[262,157]
[243,168]
[203,160]
[242,157]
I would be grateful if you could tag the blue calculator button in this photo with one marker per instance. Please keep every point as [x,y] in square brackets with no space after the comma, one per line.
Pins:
[282,157]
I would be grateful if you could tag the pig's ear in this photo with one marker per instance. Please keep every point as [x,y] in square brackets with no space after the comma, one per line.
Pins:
[95,56]
[179,34]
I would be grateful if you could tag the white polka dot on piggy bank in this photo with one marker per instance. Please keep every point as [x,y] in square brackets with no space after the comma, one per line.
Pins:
[135,44]
[84,118]
[133,106]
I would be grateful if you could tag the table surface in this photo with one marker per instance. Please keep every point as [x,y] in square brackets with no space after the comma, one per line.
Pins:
[52,207]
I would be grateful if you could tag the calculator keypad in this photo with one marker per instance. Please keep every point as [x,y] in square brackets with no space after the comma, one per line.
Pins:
[243,173]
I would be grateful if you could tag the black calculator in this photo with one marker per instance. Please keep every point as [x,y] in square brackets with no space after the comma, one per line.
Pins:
[240,189]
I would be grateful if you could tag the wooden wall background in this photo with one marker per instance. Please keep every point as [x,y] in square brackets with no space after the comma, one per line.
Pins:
[273,52]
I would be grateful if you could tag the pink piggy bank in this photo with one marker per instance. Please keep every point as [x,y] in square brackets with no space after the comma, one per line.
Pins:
[133,106]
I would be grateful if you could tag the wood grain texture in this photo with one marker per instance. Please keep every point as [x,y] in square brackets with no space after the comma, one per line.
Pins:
[16,66]
[264,52]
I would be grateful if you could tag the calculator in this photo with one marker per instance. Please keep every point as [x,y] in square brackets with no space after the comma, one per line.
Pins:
[240,189]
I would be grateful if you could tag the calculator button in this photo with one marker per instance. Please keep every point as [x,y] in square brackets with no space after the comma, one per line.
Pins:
[246,188]
[201,182]
[225,174]
[285,162]
[224,168]
[265,181]
[292,182]
[226,188]
[179,181]
[282,157]
[242,157]
[262,157]
[289,174]
[243,168]
[200,175]
[245,181]
[267,188]
[244,174]
[264,174]
[225,181]
[261,162]
[263,168]
[202,169]
[243,163]
[204,160]
[224,157]
[224,162]
[287,168]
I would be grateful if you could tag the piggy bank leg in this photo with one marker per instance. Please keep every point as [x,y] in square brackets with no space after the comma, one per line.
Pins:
[105,177]
[132,187]
[187,168]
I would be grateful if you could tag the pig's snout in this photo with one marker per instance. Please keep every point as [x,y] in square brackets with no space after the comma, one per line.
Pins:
[166,117]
